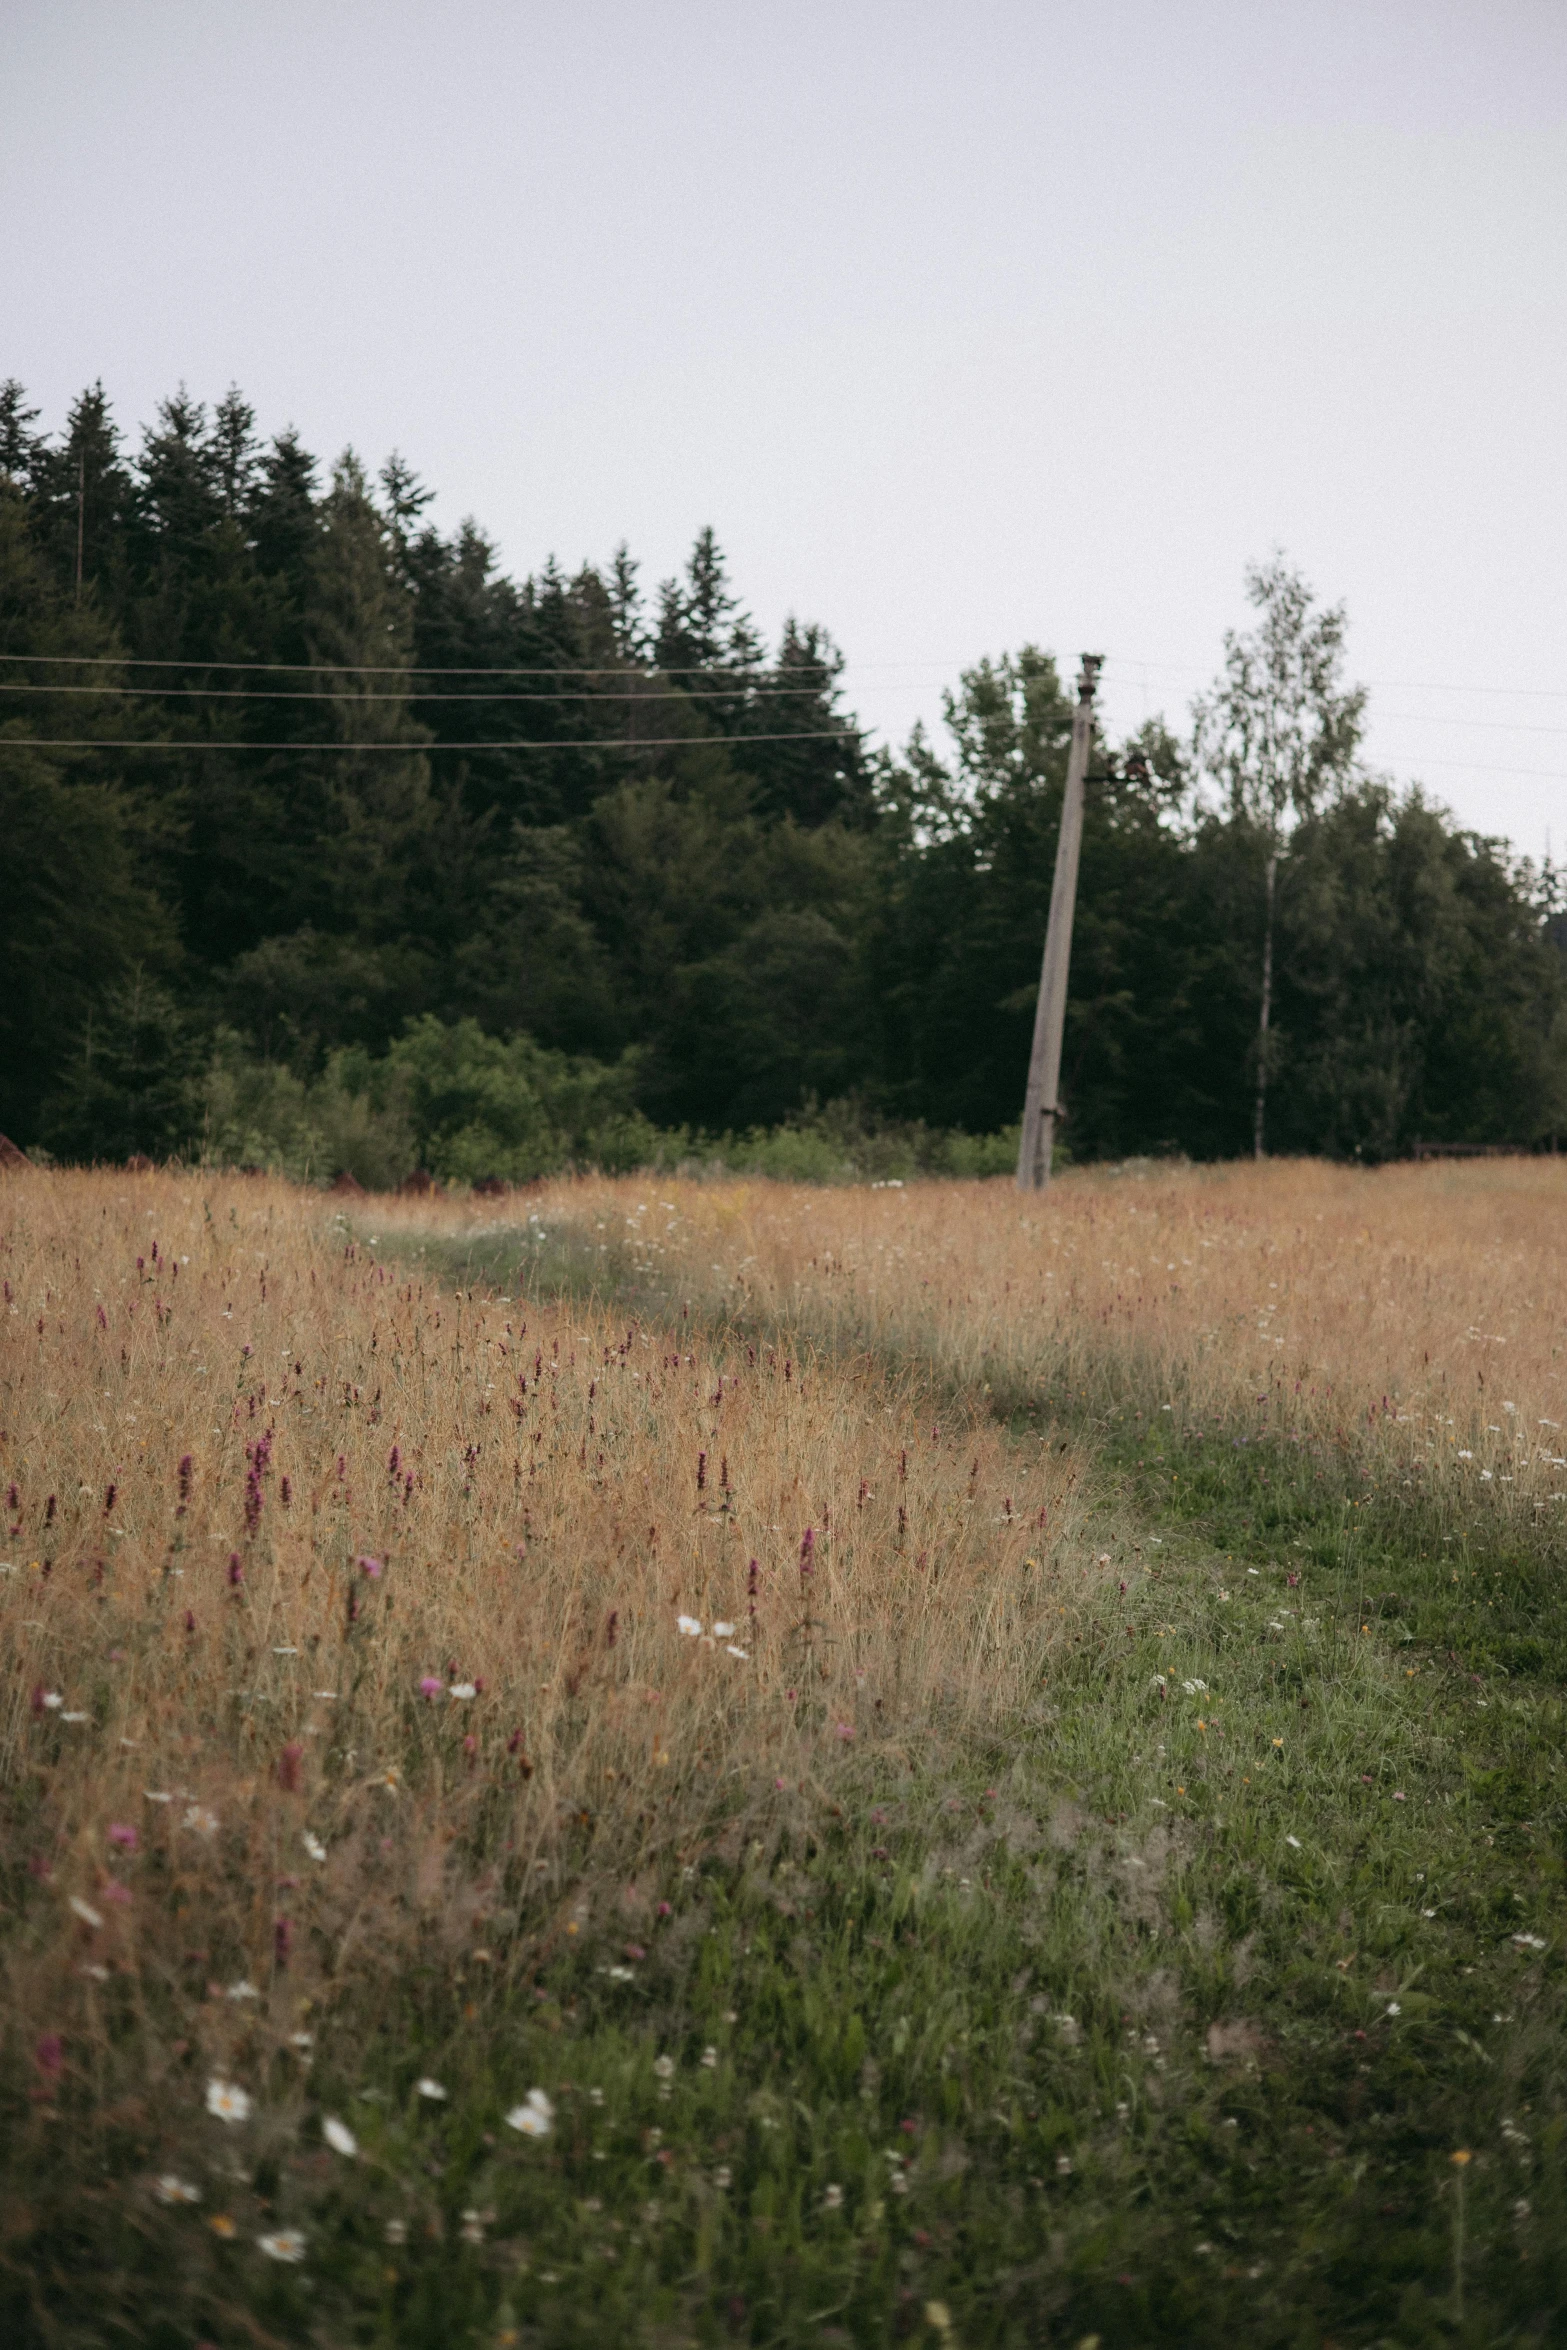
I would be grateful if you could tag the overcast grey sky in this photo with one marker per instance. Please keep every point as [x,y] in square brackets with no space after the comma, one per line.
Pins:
[962,324]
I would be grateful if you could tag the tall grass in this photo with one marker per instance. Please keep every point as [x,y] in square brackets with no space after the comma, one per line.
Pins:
[1078,1877]
[341,1618]
[1422,1308]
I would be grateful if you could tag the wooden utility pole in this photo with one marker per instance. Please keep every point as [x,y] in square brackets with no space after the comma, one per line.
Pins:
[81,516]
[1040,1108]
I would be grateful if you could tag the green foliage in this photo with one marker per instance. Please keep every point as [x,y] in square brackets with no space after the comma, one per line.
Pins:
[379,782]
[128,1089]
[487,1107]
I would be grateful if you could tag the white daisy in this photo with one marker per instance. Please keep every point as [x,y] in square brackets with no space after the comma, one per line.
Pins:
[288,2244]
[535,2117]
[691,1626]
[229,2102]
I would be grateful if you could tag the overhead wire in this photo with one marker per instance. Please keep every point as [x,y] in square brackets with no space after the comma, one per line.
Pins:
[217,742]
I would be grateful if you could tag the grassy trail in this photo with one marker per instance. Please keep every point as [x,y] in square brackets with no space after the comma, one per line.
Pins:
[1225,1993]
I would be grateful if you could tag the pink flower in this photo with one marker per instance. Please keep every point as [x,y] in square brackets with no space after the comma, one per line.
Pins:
[665,1909]
[635,1950]
[370,1567]
[119,1833]
[49,2055]
[236,1569]
[431,1686]
[844,1729]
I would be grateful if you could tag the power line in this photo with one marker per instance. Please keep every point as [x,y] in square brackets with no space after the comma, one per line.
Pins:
[393,668]
[629,693]
[248,693]
[1380,685]
[665,742]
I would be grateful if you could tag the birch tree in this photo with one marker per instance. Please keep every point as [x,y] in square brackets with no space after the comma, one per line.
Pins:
[1279,734]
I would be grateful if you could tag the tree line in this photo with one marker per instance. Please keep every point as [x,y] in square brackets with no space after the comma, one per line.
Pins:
[328,842]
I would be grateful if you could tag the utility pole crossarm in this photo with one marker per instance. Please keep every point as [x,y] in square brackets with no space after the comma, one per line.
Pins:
[1040,1106]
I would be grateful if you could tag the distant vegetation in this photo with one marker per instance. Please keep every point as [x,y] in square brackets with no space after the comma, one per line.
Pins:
[408,862]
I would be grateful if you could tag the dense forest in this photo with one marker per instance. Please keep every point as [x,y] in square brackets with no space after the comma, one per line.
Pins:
[327,844]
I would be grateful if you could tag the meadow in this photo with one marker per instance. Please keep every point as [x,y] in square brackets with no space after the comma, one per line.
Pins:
[724,1761]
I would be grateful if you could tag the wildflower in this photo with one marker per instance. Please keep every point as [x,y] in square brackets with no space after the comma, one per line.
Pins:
[1295,1840]
[595,2096]
[49,2055]
[314,1846]
[742,1653]
[339,2136]
[222,2225]
[288,2244]
[243,1989]
[76,1717]
[203,1821]
[430,2089]
[123,1835]
[303,2041]
[397,2231]
[85,1911]
[535,2117]
[710,2060]
[691,1626]
[664,2066]
[1393,2008]
[463,1690]
[1063,2163]
[289,1763]
[1195,1688]
[228,2102]
[170,2188]
[722,2178]
[47,1701]
[236,1570]
[431,1686]
[724,1631]
[832,2200]
[472,2230]
[370,1567]
[1530,1941]
[844,1730]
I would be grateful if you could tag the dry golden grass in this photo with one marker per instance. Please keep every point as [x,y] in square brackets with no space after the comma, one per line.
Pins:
[1426,1304]
[214,1663]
